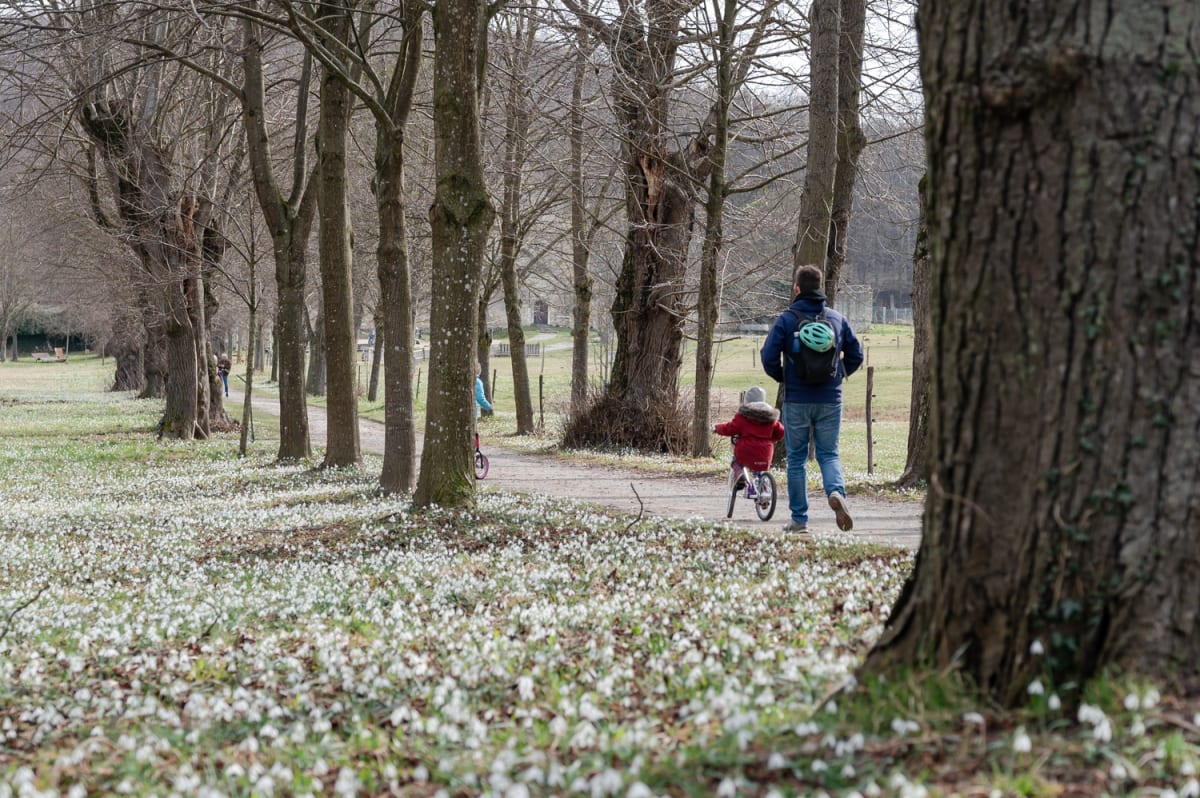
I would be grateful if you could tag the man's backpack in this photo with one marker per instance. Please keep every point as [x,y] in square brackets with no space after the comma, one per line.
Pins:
[813,350]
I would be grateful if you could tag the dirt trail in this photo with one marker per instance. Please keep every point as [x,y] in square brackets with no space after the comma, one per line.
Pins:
[878,520]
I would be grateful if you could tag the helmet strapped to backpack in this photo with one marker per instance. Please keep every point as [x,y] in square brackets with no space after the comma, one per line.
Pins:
[816,336]
[813,350]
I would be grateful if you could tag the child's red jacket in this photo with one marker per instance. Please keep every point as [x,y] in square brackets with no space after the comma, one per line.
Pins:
[757,427]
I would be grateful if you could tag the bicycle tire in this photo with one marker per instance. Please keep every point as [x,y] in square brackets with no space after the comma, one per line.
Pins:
[764,501]
[481,465]
[732,498]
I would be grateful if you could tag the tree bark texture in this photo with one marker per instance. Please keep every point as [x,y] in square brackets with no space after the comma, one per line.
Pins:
[395,280]
[1064,242]
[917,461]
[337,289]
[850,140]
[314,384]
[376,356]
[816,200]
[460,217]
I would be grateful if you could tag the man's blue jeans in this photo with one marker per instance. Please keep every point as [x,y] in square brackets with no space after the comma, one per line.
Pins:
[826,423]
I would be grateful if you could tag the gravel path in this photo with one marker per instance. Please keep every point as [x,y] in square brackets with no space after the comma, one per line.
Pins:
[877,520]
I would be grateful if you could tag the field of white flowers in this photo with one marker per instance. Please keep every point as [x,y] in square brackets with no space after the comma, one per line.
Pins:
[174,621]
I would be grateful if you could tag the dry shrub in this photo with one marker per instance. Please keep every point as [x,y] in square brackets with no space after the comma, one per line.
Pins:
[608,423]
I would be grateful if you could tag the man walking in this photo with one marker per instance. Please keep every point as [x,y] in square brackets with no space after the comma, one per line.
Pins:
[811,349]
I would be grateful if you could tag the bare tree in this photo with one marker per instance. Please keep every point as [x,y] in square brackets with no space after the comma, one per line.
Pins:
[289,219]
[638,406]
[1064,504]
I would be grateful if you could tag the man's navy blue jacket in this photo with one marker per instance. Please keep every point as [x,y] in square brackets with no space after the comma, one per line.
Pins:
[774,362]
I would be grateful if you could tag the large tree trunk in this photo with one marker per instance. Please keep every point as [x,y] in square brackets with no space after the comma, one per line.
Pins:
[916,466]
[708,302]
[337,289]
[156,228]
[289,218]
[314,384]
[516,144]
[850,140]
[639,406]
[376,355]
[127,347]
[1064,503]
[395,290]
[461,217]
[581,278]
[816,200]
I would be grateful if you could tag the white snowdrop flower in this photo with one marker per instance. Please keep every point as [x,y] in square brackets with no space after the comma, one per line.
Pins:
[347,783]
[1090,715]
[265,786]
[1103,731]
[848,771]
[77,791]
[1132,702]
[1035,687]
[774,793]
[1190,789]
[1021,743]
[1036,649]
[517,790]
[776,761]
[1187,768]
[1168,793]
[558,726]
[1150,699]
[726,789]
[1137,728]
[1118,772]
[872,790]
[420,774]
[831,707]
[819,766]
[249,745]
[234,771]
[525,688]
[268,731]
[1054,702]
[607,782]
[639,790]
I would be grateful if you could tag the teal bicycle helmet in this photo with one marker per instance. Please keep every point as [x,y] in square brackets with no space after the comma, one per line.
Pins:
[816,336]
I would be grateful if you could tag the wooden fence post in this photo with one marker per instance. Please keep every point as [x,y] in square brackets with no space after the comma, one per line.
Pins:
[870,436]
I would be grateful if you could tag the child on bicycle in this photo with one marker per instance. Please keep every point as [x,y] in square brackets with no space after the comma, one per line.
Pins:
[754,429]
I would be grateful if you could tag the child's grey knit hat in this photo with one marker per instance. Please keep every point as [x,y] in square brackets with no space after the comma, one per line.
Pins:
[755,394]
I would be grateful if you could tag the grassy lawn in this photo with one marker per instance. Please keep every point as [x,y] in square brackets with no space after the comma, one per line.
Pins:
[174,621]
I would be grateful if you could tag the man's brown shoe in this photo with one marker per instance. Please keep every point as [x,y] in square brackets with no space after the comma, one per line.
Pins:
[838,502]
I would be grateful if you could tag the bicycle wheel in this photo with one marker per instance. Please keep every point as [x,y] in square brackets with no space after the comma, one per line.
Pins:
[481,465]
[764,502]
[732,498]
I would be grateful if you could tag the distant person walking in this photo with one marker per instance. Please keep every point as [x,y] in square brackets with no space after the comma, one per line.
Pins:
[481,399]
[223,366]
[810,350]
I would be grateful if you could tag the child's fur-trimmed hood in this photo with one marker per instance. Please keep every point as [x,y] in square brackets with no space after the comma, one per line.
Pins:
[761,412]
